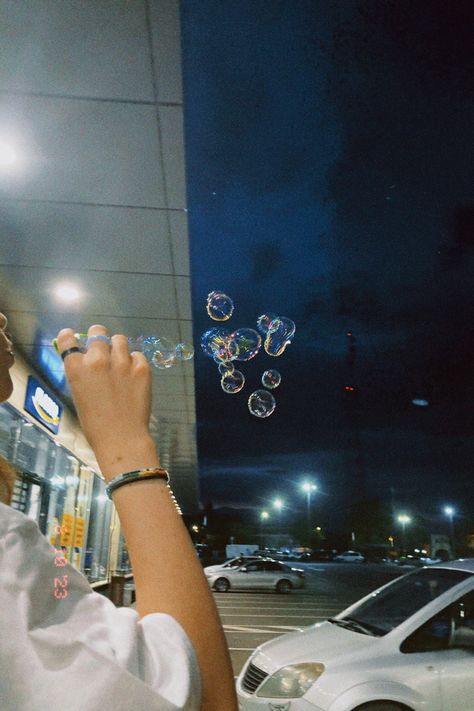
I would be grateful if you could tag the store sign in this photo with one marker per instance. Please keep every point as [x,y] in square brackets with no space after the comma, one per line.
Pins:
[42,405]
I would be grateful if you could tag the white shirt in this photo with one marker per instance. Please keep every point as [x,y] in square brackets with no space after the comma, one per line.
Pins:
[81,653]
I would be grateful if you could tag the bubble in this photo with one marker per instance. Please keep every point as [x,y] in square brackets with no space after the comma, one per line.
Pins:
[160,352]
[271,379]
[227,367]
[183,351]
[264,321]
[135,344]
[248,343]
[216,343]
[219,306]
[233,382]
[279,335]
[261,403]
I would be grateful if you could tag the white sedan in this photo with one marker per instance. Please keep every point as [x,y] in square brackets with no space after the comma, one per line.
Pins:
[349,557]
[261,574]
[408,646]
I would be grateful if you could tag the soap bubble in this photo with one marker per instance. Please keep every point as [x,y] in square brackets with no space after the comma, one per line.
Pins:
[225,368]
[135,344]
[248,343]
[233,382]
[261,403]
[183,351]
[216,343]
[160,352]
[264,321]
[219,306]
[271,379]
[279,335]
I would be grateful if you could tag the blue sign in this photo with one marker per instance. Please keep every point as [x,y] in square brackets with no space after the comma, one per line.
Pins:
[43,405]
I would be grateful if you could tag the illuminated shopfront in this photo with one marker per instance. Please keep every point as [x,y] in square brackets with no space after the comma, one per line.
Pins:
[55,487]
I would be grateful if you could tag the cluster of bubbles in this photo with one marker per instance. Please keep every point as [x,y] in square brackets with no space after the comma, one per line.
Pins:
[159,351]
[226,347]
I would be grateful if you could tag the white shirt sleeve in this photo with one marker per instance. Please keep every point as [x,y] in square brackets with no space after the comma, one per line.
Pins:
[81,652]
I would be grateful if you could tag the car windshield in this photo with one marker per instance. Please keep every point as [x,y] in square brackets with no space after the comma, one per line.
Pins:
[386,609]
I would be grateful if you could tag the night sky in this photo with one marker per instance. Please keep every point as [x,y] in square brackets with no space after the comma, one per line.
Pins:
[329,153]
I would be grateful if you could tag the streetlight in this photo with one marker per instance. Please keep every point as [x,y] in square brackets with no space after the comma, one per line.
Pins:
[309,487]
[278,505]
[264,516]
[404,519]
[449,511]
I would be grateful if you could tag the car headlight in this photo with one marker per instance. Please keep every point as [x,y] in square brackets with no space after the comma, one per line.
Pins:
[291,682]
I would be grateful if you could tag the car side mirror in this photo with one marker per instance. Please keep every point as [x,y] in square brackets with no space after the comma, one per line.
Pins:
[244,570]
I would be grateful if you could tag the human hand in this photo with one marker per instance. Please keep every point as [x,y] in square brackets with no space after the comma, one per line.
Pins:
[112,394]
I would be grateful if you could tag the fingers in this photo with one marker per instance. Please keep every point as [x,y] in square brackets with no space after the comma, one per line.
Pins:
[119,353]
[98,340]
[66,340]
[102,350]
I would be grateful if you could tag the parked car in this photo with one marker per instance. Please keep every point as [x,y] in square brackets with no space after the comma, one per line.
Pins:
[408,646]
[349,557]
[261,574]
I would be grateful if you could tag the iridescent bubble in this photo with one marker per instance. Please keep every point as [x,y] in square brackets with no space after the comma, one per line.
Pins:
[279,335]
[264,321]
[219,306]
[183,351]
[233,383]
[216,343]
[248,343]
[225,368]
[135,344]
[162,352]
[261,403]
[271,379]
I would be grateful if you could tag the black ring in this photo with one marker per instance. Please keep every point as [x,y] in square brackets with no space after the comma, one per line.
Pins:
[74,349]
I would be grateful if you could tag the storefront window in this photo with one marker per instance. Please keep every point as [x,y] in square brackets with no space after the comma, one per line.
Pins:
[55,488]
[123,561]
[97,551]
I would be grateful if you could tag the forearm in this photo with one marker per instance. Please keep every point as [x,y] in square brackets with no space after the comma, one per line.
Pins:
[156,539]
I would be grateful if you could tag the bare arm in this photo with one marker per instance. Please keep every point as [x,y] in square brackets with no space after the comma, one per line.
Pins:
[112,394]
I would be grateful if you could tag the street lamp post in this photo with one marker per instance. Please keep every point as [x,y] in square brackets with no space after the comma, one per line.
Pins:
[449,511]
[278,505]
[404,519]
[264,516]
[308,487]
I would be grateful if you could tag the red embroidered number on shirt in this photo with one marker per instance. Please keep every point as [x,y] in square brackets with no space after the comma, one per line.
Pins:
[60,594]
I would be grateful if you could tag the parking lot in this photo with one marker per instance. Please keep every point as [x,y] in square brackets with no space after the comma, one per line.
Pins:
[251,618]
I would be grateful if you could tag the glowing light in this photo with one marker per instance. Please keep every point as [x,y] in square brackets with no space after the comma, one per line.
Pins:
[420,402]
[403,519]
[7,155]
[278,504]
[308,487]
[449,510]
[67,292]
[264,515]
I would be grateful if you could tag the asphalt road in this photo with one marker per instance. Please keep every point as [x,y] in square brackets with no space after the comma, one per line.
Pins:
[251,618]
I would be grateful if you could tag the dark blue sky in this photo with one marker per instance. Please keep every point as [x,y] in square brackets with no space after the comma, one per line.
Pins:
[330,179]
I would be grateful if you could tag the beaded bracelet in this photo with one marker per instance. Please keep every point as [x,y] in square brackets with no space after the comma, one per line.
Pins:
[137,475]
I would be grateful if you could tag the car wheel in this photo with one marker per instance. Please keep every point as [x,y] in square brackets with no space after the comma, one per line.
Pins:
[381,706]
[221,585]
[283,586]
